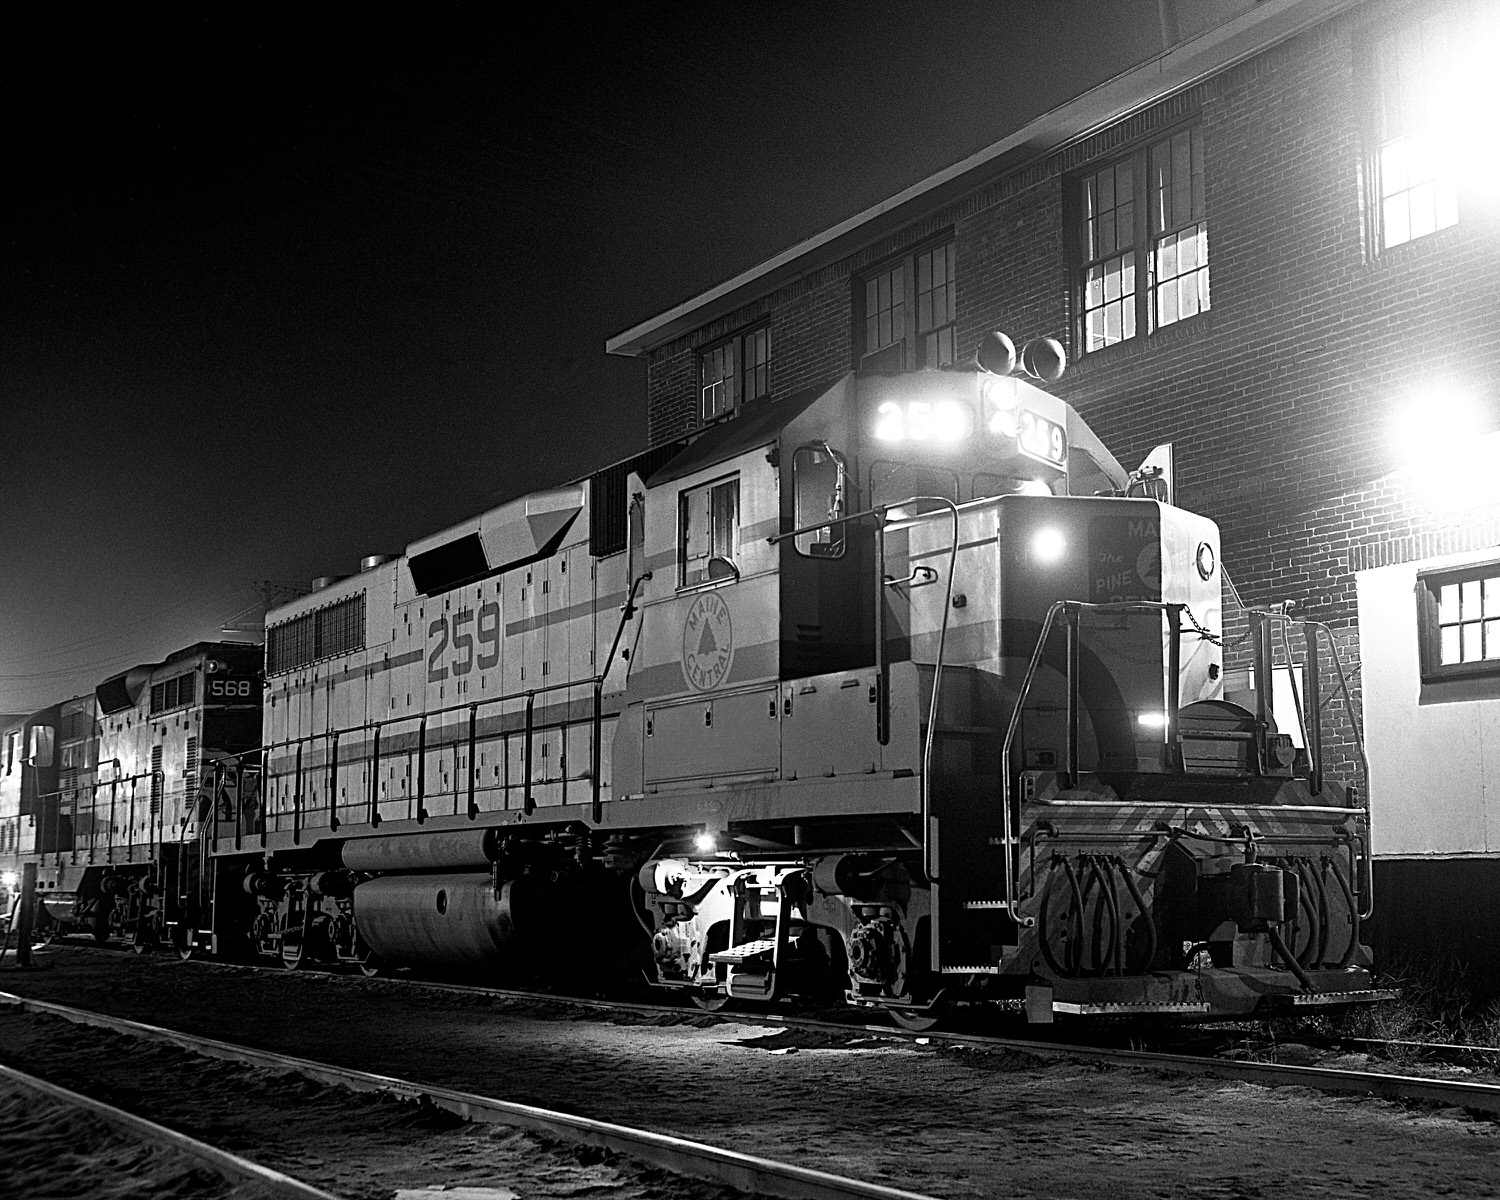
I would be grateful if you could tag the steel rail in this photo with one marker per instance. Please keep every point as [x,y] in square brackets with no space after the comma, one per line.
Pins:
[222,1161]
[1481,1096]
[745,1172]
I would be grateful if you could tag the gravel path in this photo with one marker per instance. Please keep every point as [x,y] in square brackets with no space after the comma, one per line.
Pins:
[952,1122]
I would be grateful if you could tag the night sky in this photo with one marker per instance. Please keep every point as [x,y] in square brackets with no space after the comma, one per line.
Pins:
[283,289]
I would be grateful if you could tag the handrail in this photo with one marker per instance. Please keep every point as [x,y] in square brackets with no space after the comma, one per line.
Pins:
[1070,607]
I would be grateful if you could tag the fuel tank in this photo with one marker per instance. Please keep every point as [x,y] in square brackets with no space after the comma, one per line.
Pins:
[451,920]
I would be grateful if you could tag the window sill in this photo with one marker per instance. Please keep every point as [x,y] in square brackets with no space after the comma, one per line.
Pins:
[1179,331]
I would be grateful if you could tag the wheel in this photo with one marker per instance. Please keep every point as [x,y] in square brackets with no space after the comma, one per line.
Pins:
[915,1020]
[182,942]
[371,965]
[710,1001]
[140,947]
[292,956]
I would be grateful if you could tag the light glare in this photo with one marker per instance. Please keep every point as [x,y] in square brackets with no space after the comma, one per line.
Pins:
[1048,545]
[706,843]
[1152,720]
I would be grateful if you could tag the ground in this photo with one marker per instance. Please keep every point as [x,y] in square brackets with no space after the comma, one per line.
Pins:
[949,1122]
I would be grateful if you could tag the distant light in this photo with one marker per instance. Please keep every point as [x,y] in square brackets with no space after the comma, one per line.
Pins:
[1048,545]
[1033,487]
[706,842]
[9,879]
[1152,720]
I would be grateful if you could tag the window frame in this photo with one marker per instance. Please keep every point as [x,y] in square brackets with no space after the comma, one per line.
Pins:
[736,524]
[1146,240]
[1379,137]
[1429,625]
[744,377]
[913,338]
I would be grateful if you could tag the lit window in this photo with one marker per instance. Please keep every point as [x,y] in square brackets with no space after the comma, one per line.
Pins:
[1153,199]
[1413,168]
[909,310]
[937,293]
[1179,233]
[1460,621]
[709,532]
[1108,228]
[733,372]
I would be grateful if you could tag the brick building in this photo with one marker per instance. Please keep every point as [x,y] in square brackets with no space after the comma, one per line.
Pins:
[1262,247]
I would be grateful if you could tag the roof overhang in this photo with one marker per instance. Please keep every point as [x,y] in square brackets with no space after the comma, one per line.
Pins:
[1251,33]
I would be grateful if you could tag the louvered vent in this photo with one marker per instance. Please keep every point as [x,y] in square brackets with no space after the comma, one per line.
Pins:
[155,780]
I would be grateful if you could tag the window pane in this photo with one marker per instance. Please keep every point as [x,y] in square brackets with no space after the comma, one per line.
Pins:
[1125,224]
[1166,258]
[1423,207]
[1112,280]
[1393,177]
[945,346]
[924,272]
[1473,651]
[1106,190]
[1448,604]
[1182,179]
[1094,328]
[1492,597]
[1492,639]
[1112,331]
[1107,241]
[1396,226]
[1129,330]
[1450,652]
[1187,297]
[1472,608]
[1094,292]
[1166,303]
[924,311]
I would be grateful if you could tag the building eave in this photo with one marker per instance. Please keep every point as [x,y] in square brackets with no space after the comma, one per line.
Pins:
[1187,63]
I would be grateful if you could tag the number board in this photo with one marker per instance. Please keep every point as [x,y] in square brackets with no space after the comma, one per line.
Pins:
[227,689]
[1043,439]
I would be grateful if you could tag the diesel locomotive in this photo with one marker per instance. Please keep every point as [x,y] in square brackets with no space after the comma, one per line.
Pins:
[900,691]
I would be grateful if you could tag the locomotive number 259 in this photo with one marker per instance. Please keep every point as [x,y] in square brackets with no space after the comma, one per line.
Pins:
[464,660]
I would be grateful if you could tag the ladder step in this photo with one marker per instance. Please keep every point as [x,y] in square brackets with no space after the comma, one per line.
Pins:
[745,952]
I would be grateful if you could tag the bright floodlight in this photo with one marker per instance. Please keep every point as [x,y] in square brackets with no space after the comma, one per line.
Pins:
[1452,461]
[1152,720]
[706,842]
[1047,545]
[9,879]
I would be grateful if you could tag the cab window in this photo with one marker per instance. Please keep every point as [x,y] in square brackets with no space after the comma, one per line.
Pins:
[821,490]
[709,532]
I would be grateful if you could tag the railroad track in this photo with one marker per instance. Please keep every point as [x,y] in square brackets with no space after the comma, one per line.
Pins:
[1478,1097]
[695,1160]
[231,1167]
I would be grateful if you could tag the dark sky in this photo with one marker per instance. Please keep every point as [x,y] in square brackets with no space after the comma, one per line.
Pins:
[284,289]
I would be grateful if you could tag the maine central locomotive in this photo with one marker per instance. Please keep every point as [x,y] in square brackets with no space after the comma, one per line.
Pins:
[901,691]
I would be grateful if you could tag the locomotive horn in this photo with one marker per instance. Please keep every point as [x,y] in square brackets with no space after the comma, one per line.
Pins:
[996,354]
